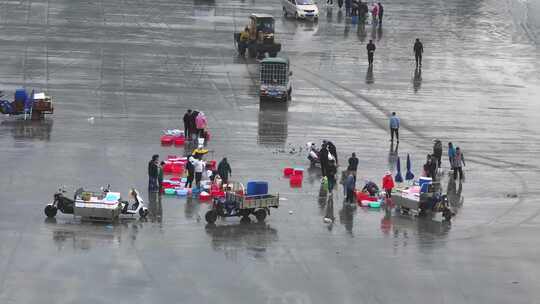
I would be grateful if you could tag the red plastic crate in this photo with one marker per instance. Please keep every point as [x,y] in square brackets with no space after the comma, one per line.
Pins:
[211,165]
[179,141]
[166,140]
[296,180]
[288,172]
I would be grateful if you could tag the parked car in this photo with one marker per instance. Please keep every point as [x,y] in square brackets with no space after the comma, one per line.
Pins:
[300,9]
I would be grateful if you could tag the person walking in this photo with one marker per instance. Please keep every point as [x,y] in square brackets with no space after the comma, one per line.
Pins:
[353,164]
[153,172]
[187,128]
[370,47]
[388,184]
[340,3]
[224,169]
[190,172]
[394,127]
[350,185]
[381,12]
[459,160]
[323,159]
[418,50]
[451,154]
[331,174]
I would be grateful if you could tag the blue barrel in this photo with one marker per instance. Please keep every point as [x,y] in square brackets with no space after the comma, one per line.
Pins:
[20,95]
[257,188]
[262,188]
[251,188]
[424,183]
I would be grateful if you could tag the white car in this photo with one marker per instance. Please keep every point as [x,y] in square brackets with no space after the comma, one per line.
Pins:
[303,9]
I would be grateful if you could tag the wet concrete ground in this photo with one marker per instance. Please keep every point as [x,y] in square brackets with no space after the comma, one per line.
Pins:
[137,65]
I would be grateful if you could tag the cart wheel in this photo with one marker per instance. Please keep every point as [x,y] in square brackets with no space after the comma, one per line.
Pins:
[447,214]
[260,215]
[245,219]
[143,212]
[50,211]
[211,216]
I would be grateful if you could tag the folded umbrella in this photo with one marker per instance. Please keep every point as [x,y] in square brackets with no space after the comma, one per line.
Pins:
[398,178]
[409,175]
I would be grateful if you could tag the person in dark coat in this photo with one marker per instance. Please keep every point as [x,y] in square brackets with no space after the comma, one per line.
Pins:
[224,169]
[370,47]
[362,11]
[192,124]
[348,4]
[437,151]
[418,49]
[190,172]
[353,165]
[332,150]
[350,185]
[187,127]
[331,174]
[381,12]
[323,158]
[153,173]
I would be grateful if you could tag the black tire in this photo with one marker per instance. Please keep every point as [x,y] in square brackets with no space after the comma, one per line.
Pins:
[50,211]
[142,212]
[260,215]
[284,12]
[245,219]
[211,216]
[447,214]
[252,52]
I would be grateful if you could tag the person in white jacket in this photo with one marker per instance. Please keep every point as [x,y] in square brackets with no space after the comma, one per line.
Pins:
[199,166]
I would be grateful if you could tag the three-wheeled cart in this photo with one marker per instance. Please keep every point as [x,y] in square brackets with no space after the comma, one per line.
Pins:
[33,105]
[237,203]
[420,203]
[101,205]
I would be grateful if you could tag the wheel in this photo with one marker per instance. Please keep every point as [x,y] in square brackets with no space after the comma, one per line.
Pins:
[260,215]
[284,12]
[50,211]
[447,214]
[211,216]
[143,212]
[245,219]
[252,52]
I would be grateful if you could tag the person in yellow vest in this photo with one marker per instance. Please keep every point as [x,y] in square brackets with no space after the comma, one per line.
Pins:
[243,43]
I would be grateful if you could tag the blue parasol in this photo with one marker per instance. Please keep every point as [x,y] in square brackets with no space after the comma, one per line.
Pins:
[398,178]
[409,175]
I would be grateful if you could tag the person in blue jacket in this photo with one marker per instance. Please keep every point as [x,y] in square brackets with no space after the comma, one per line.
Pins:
[394,127]
[451,154]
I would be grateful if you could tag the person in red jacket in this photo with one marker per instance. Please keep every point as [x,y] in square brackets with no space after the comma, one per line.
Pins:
[388,184]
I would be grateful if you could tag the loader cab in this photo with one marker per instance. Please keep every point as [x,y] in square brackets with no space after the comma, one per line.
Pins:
[262,28]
